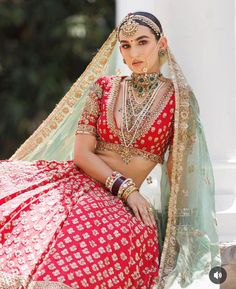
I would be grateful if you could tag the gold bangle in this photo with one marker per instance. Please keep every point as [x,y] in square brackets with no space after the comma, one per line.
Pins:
[111,179]
[126,195]
[128,191]
[128,182]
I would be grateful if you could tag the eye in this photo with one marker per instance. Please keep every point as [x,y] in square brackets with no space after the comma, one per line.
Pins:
[142,42]
[125,46]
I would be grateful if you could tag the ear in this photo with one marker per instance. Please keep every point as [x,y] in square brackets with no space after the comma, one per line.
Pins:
[163,43]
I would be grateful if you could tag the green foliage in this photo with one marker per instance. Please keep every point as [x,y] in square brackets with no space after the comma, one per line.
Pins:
[44,46]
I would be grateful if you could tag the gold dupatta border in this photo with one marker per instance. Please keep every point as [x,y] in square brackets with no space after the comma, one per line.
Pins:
[68,102]
[182,94]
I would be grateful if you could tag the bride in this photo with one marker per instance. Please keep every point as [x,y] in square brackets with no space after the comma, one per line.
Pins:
[81,221]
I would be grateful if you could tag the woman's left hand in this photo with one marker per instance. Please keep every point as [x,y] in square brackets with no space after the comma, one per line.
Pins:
[142,209]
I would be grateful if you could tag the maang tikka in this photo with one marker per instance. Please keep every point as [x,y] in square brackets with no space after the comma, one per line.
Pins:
[129,26]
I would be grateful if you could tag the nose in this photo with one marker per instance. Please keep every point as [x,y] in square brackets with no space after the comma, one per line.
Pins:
[134,52]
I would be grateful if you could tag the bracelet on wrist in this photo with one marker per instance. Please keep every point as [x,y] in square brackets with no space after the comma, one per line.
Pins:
[128,192]
[120,186]
[128,182]
[116,185]
[110,180]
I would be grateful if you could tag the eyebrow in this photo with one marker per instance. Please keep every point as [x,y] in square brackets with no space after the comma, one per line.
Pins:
[137,39]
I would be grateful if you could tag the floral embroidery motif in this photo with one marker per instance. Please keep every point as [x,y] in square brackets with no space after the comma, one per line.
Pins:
[156,131]
[62,229]
[155,111]
[159,122]
[91,110]
[119,148]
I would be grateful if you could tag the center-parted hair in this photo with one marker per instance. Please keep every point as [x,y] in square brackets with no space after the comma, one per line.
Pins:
[151,17]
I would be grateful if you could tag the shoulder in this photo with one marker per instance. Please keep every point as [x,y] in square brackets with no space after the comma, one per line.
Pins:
[169,85]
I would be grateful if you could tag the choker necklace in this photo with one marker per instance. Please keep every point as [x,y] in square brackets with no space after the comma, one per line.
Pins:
[145,83]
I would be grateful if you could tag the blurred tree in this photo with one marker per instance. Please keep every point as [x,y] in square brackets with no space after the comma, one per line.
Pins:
[44,46]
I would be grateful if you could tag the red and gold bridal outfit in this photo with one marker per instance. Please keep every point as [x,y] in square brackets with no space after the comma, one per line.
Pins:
[60,228]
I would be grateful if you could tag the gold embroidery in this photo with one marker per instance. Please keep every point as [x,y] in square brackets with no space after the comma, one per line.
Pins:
[12,281]
[128,153]
[47,285]
[182,94]
[86,129]
[155,111]
[90,111]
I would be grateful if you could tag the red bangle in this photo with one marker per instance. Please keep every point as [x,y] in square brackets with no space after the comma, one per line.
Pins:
[115,187]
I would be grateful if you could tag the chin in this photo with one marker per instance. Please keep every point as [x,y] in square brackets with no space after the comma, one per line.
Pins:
[138,71]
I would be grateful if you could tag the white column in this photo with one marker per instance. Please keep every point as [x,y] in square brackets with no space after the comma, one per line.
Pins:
[201,35]
[123,7]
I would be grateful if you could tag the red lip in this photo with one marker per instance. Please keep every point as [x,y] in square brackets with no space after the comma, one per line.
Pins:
[137,62]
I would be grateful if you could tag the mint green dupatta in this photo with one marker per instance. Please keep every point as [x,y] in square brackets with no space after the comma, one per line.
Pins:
[191,245]
[187,224]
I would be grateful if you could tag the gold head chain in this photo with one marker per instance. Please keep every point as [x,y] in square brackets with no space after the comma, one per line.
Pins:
[129,26]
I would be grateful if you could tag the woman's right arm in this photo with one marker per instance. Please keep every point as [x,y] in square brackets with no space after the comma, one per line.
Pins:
[86,158]
[86,133]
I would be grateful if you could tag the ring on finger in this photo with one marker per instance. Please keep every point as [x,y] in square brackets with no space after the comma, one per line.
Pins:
[150,209]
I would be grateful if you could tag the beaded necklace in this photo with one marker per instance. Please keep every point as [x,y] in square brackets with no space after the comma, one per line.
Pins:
[132,120]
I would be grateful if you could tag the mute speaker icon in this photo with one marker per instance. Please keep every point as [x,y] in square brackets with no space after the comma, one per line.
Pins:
[217,275]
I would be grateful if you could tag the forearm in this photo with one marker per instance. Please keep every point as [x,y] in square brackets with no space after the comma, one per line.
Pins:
[93,166]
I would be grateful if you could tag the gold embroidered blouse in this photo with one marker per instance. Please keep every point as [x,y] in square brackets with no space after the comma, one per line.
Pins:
[155,133]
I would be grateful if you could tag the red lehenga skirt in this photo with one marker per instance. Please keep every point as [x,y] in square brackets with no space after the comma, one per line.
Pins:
[61,229]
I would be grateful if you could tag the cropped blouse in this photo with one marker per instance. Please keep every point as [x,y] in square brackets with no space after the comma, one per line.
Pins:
[154,135]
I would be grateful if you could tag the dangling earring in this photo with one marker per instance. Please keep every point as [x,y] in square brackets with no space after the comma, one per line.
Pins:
[162,52]
[145,70]
[124,61]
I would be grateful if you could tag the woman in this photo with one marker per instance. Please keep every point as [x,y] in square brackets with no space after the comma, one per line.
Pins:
[84,223]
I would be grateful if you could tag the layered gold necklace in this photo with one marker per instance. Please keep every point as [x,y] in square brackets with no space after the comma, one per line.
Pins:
[144,87]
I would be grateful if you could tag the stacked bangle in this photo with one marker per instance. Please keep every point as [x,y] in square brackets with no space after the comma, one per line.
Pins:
[128,182]
[110,180]
[114,182]
[117,184]
[120,186]
[128,192]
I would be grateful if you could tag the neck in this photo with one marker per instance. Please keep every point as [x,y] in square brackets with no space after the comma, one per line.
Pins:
[145,82]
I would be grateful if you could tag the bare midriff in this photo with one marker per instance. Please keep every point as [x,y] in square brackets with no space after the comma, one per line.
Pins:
[138,168]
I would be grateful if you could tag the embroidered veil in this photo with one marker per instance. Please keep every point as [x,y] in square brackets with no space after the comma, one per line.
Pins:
[187,224]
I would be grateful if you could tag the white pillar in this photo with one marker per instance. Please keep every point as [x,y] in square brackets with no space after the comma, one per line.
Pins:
[201,35]
[123,7]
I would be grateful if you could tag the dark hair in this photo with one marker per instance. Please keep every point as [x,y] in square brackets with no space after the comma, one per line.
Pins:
[151,17]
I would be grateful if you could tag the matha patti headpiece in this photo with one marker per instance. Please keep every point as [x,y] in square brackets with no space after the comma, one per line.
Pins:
[129,26]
